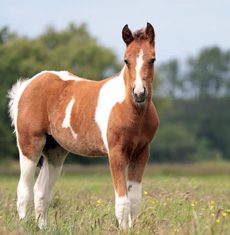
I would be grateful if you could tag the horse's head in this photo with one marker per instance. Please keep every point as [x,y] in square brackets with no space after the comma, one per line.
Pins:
[139,59]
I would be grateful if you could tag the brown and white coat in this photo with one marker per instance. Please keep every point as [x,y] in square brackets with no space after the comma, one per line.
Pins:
[57,112]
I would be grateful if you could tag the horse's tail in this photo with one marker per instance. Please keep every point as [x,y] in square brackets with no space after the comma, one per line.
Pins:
[14,95]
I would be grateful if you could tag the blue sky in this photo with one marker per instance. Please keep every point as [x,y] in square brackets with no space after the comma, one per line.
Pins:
[182,27]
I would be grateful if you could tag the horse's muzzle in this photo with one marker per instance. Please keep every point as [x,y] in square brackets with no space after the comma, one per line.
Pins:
[139,97]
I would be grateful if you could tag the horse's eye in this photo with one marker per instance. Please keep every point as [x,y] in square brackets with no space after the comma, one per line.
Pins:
[126,61]
[152,61]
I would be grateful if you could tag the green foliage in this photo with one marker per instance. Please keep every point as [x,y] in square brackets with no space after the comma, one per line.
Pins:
[173,143]
[206,75]
[209,73]
[170,76]
[198,103]
[206,152]
[205,121]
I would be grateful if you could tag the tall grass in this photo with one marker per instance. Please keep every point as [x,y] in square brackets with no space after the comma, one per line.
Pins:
[84,204]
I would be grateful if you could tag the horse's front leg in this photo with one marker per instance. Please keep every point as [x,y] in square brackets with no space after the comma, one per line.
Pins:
[118,164]
[135,173]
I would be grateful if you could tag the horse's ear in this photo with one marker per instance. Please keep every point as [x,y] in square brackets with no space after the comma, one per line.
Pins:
[150,34]
[127,35]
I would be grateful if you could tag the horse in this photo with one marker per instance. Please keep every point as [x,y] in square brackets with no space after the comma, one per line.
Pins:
[55,113]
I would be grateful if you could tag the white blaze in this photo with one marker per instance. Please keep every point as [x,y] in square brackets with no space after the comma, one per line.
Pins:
[66,122]
[138,83]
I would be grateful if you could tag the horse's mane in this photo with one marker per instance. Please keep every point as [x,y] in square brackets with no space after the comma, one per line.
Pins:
[139,35]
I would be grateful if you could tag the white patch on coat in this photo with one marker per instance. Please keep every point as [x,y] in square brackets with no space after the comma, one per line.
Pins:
[66,121]
[122,210]
[138,82]
[64,75]
[111,93]
[134,195]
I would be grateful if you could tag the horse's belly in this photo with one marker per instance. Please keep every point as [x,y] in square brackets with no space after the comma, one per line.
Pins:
[86,144]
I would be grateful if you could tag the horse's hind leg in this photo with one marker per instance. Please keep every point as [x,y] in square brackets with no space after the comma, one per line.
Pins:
[29,154]
[54,156]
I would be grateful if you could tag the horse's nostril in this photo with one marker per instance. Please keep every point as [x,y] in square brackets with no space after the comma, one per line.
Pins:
[142,93]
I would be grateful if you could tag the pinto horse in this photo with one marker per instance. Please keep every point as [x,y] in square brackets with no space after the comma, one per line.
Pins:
[57,112]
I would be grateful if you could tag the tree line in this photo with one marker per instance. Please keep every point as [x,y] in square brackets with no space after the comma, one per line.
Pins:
[195,120]
[192,98]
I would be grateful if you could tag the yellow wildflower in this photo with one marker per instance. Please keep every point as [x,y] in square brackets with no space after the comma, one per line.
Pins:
[145,192]
[228,210]
[212,202]
[156,201]
[153,202]
[224,214]
[212,214]
[218,220]
[167,198]
[211,207]
[192,204]
[0,216]
[98,201]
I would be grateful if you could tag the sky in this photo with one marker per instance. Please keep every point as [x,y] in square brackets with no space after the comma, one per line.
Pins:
[182,27]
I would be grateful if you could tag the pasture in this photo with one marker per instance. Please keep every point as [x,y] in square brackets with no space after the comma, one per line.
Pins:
[177,199]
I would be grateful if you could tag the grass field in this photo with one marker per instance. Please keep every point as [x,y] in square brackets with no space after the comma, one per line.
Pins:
[177,199]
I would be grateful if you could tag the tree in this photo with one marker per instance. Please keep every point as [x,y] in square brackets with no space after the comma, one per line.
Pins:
[173,143]
[209,73]
[170,75]
[205,75]
[206,119]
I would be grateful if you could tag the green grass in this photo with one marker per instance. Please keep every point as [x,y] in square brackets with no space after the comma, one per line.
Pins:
[173,203]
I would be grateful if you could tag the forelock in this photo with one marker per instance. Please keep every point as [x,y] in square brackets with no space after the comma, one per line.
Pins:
[139,35]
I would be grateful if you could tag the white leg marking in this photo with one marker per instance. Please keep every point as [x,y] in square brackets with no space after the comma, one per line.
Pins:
[66,121]
[122,210]
[25,185]
[134,195]
[43,191]
[111,93]
[138,82]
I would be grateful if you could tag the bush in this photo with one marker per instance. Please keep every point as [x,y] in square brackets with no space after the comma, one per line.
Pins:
[173,143]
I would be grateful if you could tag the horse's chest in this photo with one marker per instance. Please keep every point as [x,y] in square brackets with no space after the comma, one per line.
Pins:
[129,131]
